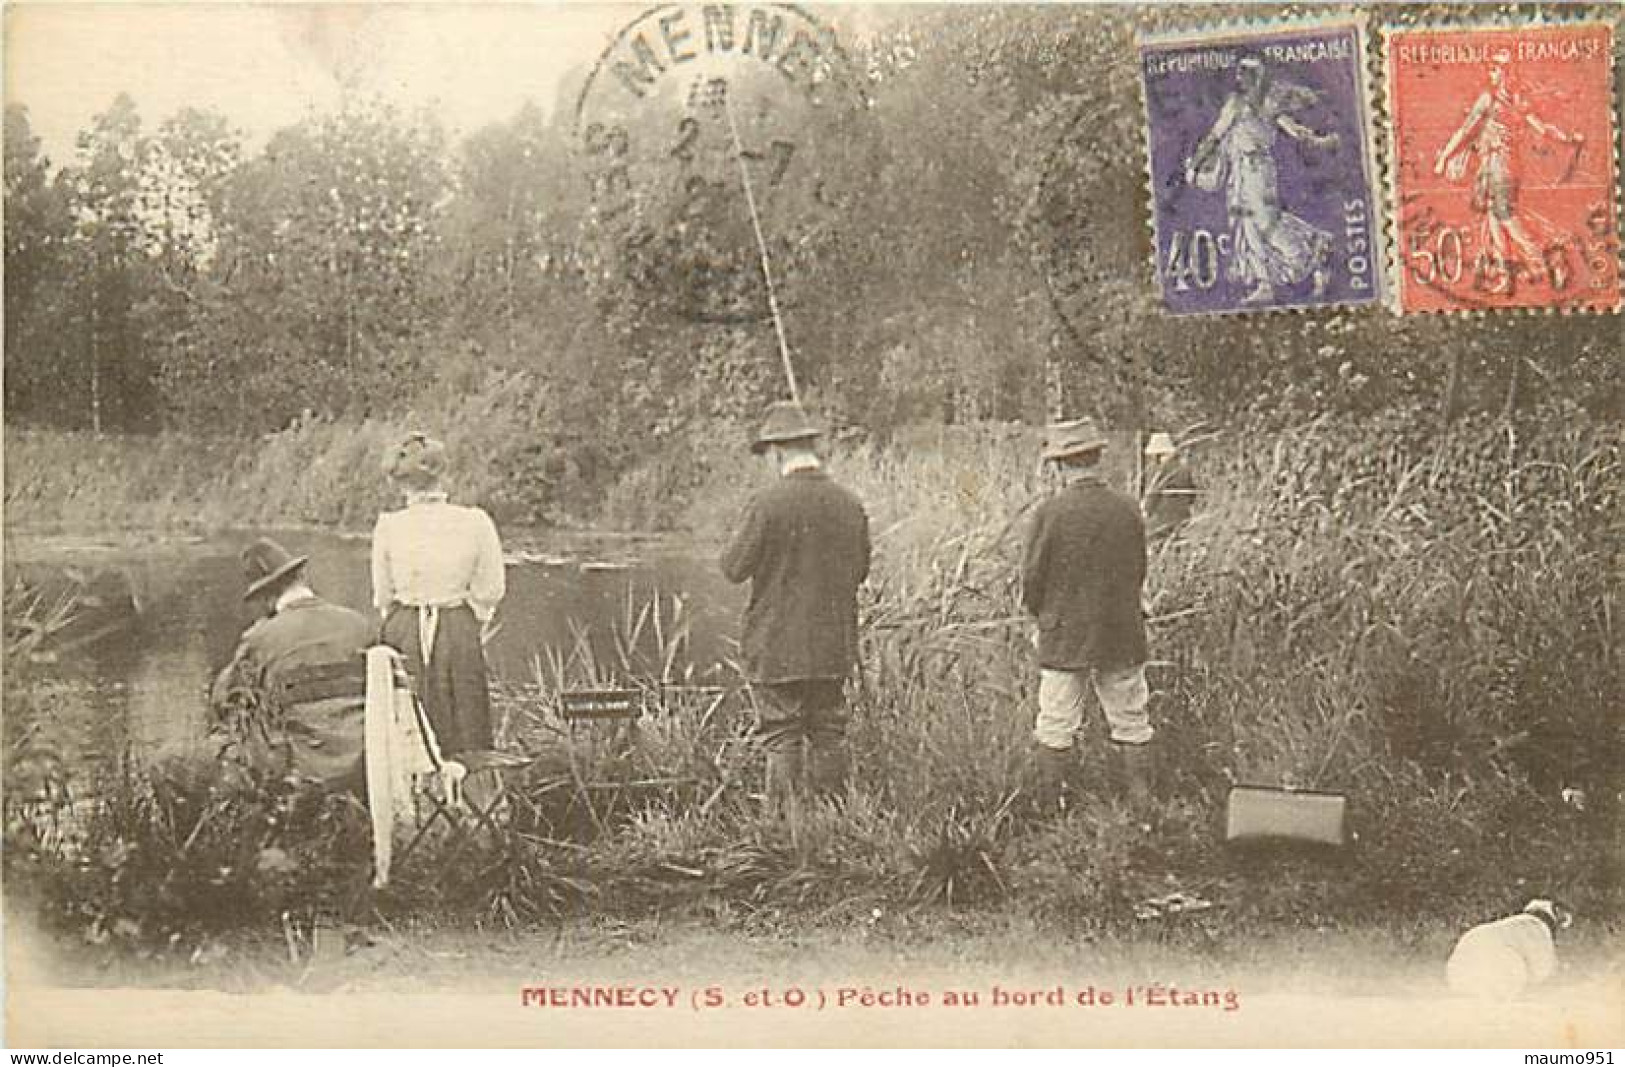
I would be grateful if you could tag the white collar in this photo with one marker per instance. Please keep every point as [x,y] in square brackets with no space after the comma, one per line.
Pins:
[425,496]
[800,463]
[1083,477]
[293,594]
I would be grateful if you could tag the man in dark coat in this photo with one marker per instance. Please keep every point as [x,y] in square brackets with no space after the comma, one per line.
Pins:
[300,670]
[1170,491]
[1081,578]
[804,547]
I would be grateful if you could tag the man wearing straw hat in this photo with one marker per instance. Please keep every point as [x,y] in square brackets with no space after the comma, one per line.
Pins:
[1081,576]
[294,665]
[804,547]
[1170,492]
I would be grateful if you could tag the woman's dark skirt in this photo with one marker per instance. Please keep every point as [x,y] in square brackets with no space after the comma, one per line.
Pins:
[455,693]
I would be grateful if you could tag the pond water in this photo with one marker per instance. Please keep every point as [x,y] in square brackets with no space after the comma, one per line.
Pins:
[136,680]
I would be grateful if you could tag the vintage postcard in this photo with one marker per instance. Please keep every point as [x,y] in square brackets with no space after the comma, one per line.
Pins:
[1505,168]
[1260,168]
[692,524]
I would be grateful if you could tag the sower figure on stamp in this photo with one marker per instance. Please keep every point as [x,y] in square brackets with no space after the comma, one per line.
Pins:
[804,547]
[1494,131]
[1081,577]
[298,669]
[1271,245]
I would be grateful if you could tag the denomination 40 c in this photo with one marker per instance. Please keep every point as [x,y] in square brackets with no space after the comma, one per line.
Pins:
[1193,259]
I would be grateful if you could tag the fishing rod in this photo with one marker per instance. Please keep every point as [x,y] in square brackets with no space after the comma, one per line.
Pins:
[761,249]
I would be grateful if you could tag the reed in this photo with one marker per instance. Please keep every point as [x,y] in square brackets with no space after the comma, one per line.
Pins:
[1428,626]
[313,472]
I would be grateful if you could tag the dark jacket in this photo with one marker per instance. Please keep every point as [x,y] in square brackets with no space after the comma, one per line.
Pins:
[1081,575]
[1169,499]
[804,548]
[307,665]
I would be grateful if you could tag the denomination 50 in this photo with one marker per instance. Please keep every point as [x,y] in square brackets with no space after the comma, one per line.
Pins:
[1446,255]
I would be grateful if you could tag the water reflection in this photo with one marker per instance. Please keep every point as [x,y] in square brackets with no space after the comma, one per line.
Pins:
[142,684]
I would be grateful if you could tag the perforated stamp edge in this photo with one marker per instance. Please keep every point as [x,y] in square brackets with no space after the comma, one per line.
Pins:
[1241,29]
[1580,19]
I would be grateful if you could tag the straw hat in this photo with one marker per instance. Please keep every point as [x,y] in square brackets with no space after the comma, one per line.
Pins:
[785,421]
[418,460]
[269,566]
[1161,444]
[1073,437]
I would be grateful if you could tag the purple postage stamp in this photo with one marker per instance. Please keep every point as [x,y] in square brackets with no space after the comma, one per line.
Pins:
[1260,167]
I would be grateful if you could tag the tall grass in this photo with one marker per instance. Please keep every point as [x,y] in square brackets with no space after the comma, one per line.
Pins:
[312,472]
[1451,607]
[1428,627]
[38,807]
[326,473]
[1424,626]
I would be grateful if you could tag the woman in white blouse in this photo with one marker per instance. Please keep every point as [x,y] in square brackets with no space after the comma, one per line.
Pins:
[437,578]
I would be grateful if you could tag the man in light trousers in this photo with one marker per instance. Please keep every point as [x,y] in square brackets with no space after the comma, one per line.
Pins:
[1082,572]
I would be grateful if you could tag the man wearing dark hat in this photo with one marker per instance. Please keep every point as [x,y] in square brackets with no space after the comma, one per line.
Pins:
[1081,574]
[804,547]
[302,666]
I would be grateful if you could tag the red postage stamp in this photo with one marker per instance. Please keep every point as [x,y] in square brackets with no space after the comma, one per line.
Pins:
[1503,173]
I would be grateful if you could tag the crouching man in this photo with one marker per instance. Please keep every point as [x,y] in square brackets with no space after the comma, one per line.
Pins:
[293,697]
[804,548]
[1082,572]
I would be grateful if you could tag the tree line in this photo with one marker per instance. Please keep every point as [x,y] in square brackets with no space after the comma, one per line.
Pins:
[971,243]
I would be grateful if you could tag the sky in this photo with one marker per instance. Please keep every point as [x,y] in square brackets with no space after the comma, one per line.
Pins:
[265,66]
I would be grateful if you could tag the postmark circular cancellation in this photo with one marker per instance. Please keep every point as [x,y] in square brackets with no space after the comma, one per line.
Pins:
[700,124]
[1504,178]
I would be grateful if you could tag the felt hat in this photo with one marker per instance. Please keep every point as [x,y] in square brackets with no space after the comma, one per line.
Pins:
[1073,437]
[1161,444]
[269,566]
[785,420]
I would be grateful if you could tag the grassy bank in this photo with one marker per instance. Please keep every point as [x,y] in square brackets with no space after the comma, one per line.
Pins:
[313,472]
[1425,625]
[325,473]
[319,474]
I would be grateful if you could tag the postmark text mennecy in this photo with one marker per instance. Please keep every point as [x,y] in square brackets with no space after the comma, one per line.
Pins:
[670,37]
